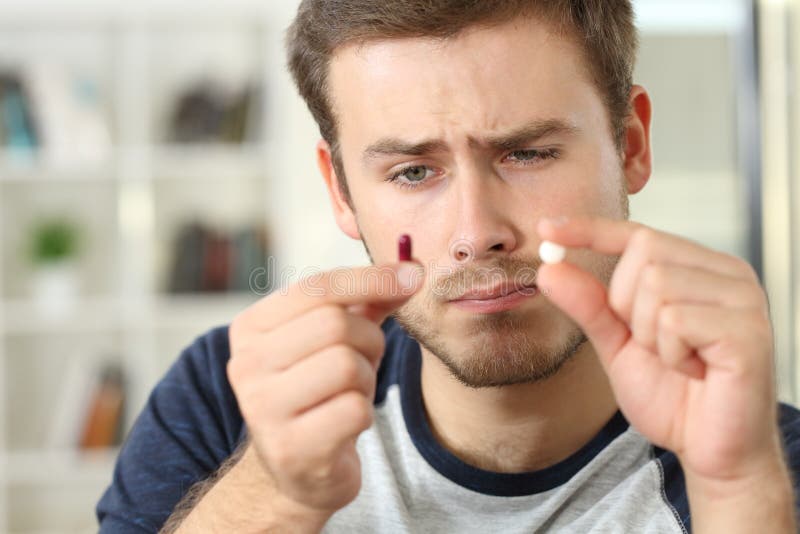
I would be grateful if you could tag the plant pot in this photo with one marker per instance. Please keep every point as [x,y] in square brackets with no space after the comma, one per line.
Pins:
[54,288]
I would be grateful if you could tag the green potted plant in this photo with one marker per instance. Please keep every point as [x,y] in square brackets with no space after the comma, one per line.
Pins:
[54,247]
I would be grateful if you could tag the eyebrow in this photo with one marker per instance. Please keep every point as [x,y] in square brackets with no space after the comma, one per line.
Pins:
[528,133]
[531,132]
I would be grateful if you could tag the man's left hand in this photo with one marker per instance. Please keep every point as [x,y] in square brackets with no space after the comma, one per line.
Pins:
[684,335]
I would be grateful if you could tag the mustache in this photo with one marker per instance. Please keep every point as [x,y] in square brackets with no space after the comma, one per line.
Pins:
[506,273]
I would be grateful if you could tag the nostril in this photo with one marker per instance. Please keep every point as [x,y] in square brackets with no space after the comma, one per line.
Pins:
[462,250]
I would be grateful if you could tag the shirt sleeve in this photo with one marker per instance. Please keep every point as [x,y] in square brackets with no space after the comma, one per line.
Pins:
[190,424]
[790,430]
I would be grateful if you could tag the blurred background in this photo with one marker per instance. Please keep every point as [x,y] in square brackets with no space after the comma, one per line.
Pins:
[157,176]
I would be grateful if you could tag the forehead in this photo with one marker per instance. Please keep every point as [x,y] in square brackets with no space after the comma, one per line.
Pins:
[483,80]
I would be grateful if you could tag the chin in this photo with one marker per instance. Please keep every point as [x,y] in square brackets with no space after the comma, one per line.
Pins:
[498,349]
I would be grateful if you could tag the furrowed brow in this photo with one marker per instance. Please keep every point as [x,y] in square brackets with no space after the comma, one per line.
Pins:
[527,134]
[398,147]
[530,133]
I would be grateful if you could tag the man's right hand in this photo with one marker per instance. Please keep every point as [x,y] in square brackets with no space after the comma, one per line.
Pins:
[303,369]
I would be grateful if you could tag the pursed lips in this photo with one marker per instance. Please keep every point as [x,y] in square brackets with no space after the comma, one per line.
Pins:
[496,291]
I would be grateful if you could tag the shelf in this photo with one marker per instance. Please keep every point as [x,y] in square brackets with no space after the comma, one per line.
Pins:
[180,311]
[18,169]
[169,161]
[199,310]
[44,467]
[93,314]
[143,57]
[202,161]
[100,11]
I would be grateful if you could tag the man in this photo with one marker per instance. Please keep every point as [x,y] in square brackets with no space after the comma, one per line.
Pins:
[627,389]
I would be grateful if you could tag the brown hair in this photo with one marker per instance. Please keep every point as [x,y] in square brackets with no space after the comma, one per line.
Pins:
[604,28]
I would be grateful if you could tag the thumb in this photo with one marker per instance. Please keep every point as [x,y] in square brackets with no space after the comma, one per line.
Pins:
[409,278]
[582,297]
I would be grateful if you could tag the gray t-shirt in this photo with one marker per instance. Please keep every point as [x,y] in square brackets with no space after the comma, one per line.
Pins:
[410,483]
[191,423]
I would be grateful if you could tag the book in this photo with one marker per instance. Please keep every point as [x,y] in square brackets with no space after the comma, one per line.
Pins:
[72,400]
[103,425]
[19,131]
[210,260]
[68,111]
[89,409]
[204,113]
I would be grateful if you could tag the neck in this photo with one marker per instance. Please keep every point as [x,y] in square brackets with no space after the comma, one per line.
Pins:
[524,427]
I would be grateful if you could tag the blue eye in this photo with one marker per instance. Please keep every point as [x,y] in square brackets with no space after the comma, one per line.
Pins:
[415,174]
[411,176]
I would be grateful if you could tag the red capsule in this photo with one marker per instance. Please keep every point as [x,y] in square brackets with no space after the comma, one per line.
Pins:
[404,248]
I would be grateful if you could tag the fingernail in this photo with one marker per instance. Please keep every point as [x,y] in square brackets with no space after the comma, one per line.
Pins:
[409,275]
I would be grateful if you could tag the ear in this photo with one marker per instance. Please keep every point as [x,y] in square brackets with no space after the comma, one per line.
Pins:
[637,156]
[345,217]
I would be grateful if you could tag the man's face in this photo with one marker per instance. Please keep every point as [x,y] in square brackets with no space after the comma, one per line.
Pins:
[465,144]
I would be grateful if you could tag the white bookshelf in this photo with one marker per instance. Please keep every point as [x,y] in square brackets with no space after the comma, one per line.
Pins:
[132,201]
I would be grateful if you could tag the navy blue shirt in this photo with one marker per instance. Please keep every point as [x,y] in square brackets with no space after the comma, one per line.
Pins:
[191,424]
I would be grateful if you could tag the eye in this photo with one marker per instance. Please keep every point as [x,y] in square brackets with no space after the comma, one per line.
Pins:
[528,156]
[411,176]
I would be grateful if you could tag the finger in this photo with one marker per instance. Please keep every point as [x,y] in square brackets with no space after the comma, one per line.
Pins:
[320,377]
[606,236]
[582,297]
[678,355]
[614,237]
[323,430]
[316,330]
[649,247]
[390,285]
[662,284]
[723,338]
[638,246]
[377,311]
[270,352]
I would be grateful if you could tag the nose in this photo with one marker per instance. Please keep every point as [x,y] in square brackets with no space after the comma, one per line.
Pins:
[483,226]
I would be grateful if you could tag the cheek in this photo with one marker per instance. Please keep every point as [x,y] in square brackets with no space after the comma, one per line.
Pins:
[378,227]
[379,238]
[569,189]
[590,187]
[385,213]
[381,227]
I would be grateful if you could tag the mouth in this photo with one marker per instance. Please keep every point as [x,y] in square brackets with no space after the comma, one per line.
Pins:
[500,297]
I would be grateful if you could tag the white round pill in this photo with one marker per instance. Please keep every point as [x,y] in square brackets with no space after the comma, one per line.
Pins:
[551,252]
